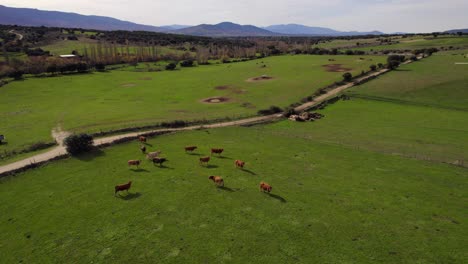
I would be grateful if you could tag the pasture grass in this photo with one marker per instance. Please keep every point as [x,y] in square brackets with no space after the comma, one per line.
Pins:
[422,43]
[329,204]
[435,81]
[31,108]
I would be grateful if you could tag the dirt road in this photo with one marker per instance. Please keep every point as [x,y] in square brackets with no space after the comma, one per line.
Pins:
[59,135]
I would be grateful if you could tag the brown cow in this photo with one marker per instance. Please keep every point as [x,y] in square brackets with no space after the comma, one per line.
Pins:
[123,187]
[143,149]
[217,151]
[142,139]
[239,163]
[190,148]
[204,160]
[217,180]
[134,163]
[159,161]
[265,187]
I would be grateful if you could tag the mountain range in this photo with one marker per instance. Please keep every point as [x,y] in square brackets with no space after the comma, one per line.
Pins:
[295,29]
[35,17]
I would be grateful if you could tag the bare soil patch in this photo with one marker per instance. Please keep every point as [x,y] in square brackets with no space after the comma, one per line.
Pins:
[261,78]
[222,87]
[336,68]
[146,78]
[215,100]
[231,88]
[126,85]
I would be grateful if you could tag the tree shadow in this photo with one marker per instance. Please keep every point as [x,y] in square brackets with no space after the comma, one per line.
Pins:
[139,170]
[3,143]
[249,171]
[224,188]
[277,197]
[129,196]
[90,156]
[403,70]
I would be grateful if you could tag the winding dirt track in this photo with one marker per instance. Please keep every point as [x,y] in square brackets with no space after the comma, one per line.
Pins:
[60,150]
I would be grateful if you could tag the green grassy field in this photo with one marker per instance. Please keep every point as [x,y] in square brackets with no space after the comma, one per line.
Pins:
[436,81]
[30,109]
[422,43]
[365,184]
[408,43]
[329,204]
[67,46]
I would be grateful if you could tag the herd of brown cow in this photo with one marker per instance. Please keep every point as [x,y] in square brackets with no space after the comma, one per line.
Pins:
[153,156]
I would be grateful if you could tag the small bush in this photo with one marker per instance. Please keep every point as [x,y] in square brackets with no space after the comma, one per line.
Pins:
[347,76]
[174,124]
[100,66]
[76,144]
[186,63]
[272,110]
[171,66]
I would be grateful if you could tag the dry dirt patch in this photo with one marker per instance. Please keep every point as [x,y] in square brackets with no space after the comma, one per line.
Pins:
[215,100]
[126,85]
[260,79]
[230,88]
[146,78]
[335,68]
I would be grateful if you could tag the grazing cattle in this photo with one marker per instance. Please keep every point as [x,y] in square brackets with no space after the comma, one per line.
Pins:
[217,180]
[239,163]
[134,163]
[216,151]
[265,187]
[152,155]
[204,160]
[190,148]
[123,187]
[142,139]
[143,149]
[159,161]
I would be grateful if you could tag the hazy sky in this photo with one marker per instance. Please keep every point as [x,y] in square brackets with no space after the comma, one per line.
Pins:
[362,15]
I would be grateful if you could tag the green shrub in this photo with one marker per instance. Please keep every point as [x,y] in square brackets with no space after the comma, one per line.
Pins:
[171,66]
[76,144]
[347,76]
[272,110]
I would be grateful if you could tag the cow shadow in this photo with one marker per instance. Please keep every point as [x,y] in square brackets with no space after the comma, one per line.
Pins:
[90,156]
[249,171]
[3,142]
[277,197]
[193,154]
[211,166]
[224,188]
[139,170]
[222,157]
[164,167]
[129,196]
[147,144]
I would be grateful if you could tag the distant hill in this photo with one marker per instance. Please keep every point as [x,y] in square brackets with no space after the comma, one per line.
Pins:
[174,27]
[35,17]
[295,29]
[226,29]
[453,31]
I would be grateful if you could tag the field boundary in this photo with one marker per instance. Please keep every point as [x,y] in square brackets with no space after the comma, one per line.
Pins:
[60,152]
